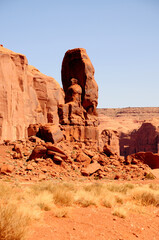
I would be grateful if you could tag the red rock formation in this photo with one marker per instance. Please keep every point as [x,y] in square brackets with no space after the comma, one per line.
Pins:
[27,96]
[78,114]
[145,139]
[50,133]
[110,140]
[137,128]
[149,158]
[76,64]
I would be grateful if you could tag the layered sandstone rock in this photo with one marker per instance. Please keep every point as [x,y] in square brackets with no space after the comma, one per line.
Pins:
[78,115]
[149,158]
[76,64]
[137,128]
[110,140]
[27,96]
[145,139]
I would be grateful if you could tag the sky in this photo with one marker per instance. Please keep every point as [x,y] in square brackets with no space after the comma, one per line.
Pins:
[121,38]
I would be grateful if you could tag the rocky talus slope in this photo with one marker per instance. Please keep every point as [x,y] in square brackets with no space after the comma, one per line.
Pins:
[47,132]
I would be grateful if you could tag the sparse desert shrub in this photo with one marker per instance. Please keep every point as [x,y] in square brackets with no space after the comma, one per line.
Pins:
[6,191]
[146,196]
[13,223]
[44,200]
[29,202]
[119,199]
[42,186]
[85,198]
[122,188]
[154,186]
[95,188]
[60,212]
[120,212]
[108,201]
[150,176]
[63,196]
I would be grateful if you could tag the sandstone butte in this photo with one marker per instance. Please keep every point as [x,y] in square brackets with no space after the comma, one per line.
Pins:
[52,131]
[26,96]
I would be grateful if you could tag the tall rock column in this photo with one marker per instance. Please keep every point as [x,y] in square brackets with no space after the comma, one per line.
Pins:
[78,115]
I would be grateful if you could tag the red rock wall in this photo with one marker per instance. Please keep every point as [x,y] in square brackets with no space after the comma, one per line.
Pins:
[137,128]
[145,139]
[26,96]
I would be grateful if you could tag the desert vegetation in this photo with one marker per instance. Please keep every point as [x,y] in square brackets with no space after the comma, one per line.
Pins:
[20,205]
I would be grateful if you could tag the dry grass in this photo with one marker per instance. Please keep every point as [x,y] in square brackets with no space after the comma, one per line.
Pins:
[13,223]
[120,212]
[19,206]
[44,200]
[146,196]
[121,188]
[108,201]
[60,212]
[63,196]
[154,186]
[85,199]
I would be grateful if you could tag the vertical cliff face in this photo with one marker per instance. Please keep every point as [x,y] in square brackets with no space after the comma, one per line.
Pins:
[26,96]
[145,139]
[138,128]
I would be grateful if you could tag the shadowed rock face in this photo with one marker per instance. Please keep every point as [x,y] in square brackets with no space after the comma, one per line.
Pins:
[76,64]
[145,139]
[149,158]
[26,96]
[137,128]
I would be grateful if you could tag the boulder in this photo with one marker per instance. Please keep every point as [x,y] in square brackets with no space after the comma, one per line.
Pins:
[101,159]
[83,159]
[53,153]
[58,160]
[18,149]
[90,169]
[54,148]
[38,152]
[149,158]
[6,168]
[50,133]
[33,129]
[107,150]
[37,140]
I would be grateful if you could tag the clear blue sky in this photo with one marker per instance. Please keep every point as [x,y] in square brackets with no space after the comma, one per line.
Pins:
[121,39]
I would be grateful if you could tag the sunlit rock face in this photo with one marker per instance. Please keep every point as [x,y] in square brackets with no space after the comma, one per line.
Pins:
[76,64]
[78,115]
[26,96]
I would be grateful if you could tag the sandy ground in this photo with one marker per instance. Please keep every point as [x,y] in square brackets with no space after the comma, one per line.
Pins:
[97,224]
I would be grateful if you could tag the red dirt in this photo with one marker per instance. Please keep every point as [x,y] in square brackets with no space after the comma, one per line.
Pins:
[97,224]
